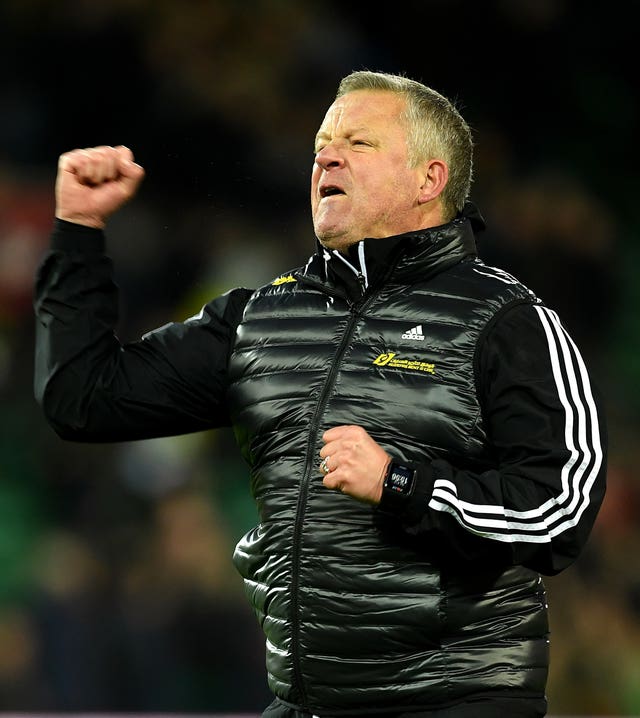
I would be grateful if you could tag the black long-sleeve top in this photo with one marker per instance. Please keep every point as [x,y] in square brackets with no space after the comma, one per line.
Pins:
[532,386]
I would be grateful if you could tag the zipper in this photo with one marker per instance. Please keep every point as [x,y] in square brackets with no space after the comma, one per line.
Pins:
[355,311]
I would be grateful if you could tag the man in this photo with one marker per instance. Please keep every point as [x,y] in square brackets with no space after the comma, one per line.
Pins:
[422,433]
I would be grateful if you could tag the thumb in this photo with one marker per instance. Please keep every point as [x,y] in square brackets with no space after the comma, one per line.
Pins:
[130,172]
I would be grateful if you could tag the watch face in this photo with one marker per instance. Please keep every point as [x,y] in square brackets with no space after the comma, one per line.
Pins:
[400,479]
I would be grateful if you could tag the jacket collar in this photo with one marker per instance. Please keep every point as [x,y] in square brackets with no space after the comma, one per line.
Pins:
[416,254]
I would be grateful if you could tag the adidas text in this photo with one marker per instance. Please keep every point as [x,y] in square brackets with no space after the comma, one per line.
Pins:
[415,334]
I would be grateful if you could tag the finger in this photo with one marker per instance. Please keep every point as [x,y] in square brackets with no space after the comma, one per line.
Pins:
[343,437]
[95,165]
[85,166]
[131,174]
[127,165]
[104,165]
[337,432]
[330,448]
[73,162]
[331,482]
[124,152]
[89,165]
[324,468]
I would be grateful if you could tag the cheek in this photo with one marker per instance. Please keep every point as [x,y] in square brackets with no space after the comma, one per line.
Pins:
[386,193]
[315,179]
[402,189]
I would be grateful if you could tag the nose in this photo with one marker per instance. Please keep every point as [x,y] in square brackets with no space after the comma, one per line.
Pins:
[328,157]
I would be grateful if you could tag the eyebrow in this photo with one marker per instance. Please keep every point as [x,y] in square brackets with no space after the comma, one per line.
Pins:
[323,135]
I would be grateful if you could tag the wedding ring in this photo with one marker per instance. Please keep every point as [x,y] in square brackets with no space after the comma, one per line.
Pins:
[324,466]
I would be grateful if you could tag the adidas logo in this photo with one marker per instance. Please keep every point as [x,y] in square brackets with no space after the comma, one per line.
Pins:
[414,333]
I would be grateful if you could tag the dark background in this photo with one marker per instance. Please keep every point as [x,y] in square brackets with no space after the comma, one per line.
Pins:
[116,586]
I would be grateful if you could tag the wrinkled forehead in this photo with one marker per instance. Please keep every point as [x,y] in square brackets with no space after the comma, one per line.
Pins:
[363,109]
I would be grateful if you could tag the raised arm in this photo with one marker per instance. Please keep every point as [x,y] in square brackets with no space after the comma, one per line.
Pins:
[91,386]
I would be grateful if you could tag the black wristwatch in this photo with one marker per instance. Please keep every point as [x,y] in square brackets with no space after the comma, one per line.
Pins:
[397,485]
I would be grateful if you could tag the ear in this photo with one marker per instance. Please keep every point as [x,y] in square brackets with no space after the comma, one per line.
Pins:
[436,176]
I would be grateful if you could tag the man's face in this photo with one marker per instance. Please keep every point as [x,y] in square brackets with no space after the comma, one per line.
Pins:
[361,185]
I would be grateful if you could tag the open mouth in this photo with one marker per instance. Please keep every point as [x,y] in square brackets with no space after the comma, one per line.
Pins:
[330,191]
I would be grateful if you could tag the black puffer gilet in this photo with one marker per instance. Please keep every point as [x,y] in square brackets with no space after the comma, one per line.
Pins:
[357,618]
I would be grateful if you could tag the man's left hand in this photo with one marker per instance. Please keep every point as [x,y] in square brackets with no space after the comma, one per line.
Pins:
[353,463]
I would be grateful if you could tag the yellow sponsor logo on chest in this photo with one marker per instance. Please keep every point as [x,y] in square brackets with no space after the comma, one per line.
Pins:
[392,360]
[283,280]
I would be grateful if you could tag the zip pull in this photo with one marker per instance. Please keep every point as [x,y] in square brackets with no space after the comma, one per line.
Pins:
[363,277]
[360,272]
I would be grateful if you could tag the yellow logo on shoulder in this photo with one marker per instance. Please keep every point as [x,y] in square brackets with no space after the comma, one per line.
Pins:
[283,280]
[391,359]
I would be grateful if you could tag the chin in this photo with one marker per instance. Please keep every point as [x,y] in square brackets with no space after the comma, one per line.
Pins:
[340,243]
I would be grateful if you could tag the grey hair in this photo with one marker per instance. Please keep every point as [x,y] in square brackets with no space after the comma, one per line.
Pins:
[435,130]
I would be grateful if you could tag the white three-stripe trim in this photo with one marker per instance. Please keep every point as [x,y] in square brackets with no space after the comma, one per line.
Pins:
[564,511]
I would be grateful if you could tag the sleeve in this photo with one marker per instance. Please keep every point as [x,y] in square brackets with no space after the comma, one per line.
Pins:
[94,388]
[546,429]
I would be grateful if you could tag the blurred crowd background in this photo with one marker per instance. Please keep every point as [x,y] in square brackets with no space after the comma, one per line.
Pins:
[117,591]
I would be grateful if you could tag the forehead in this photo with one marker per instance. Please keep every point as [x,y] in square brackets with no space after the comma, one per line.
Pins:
[367,109]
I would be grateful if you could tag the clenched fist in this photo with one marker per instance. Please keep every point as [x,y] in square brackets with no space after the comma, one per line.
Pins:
[93,183]
[353,463]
